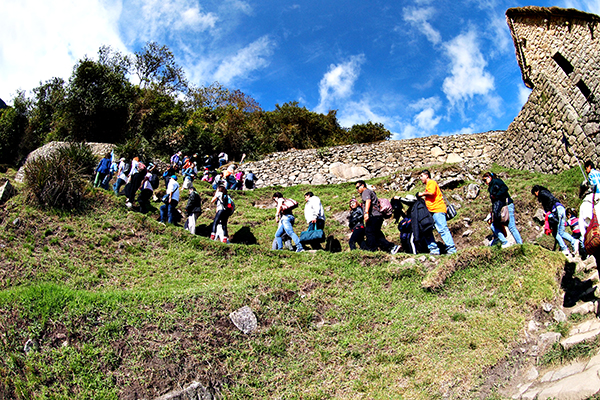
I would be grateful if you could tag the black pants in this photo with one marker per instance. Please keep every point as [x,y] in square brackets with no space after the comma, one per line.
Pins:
[375,238]
[221,217]
[358,236]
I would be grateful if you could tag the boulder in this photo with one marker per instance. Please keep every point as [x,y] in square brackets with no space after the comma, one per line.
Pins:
[348,171]
[472,191]
[244,319]
[454,158]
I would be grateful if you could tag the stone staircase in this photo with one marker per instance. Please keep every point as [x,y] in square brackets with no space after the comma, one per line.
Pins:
[575,380]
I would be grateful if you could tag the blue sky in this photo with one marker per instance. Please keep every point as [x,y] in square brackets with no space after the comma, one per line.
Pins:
[419,67]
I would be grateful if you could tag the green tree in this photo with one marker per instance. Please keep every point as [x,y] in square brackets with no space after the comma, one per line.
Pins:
[14,122]
[369,132]
[156,69]
[98,99]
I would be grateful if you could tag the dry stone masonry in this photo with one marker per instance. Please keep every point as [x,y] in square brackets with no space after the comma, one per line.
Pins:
[558,51]
[366,161]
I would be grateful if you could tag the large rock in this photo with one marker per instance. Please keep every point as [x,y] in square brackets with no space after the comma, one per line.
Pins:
[472,191]
[244,319]
[454,158]
[6,192]
[348,172]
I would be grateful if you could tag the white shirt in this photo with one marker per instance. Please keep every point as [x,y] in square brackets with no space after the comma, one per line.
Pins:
[147,184]
[121,173]
[314,209]
[173,188]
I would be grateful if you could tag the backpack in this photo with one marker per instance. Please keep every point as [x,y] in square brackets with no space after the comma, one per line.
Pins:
[154,181]
[127,168]
[229,205]
[592,232]
[385,208]
[289,204]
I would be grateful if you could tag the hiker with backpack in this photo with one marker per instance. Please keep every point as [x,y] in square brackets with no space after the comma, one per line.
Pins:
[285,219]
[193,209]
[356,225]
[434,200]
[225,207]
[146,191]
[122,173]
[136,175]
[171,199]
[500,198]
[556,212]
[250,179]
[374,221]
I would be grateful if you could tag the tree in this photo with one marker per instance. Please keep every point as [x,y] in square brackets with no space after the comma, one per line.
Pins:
[369,132]
[13,125]
[98,99]
[156,68]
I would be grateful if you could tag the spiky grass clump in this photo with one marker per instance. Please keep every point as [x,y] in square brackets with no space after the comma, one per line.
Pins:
[58,180]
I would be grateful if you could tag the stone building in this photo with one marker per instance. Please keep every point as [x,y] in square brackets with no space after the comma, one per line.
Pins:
[558,51]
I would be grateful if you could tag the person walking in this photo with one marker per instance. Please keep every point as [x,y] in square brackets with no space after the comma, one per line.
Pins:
[434,200]
[313,211]
[223,212]
[193,209]
[500,197]
[357,225]
[373,221]
[553,206]
[168,210]
[285,220]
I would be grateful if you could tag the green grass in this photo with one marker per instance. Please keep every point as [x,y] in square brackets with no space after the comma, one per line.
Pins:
[122,306]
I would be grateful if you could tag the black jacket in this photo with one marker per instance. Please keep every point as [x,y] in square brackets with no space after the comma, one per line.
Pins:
[547,199]
[499,191]
[356,218]
[193,204]
[499,197]
[422,221]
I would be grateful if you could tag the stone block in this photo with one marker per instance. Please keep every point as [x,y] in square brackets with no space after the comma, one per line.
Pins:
[6,192]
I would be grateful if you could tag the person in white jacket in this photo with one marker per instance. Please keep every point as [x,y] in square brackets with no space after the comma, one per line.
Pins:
[313,211]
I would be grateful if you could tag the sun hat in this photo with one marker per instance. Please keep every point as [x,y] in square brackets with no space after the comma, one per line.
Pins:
[408,199]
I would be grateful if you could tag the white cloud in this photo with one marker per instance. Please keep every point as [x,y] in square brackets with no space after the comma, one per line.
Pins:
[42,39]
[338,82]
[523,96]
[252,57]
[193,19]
[361,112]
[592,6]
[418,17]
[160,16]
[426,119]
[467,73]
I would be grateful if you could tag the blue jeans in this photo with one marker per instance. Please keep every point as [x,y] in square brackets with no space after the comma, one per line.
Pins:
[169,210]
[512,227]
[442,227]
[561,233]
[117,186]
[287,222]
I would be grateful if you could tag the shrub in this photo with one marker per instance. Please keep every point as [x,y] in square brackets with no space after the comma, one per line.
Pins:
[58,180]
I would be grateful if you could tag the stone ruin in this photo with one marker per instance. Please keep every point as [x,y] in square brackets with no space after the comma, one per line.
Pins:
[558,51]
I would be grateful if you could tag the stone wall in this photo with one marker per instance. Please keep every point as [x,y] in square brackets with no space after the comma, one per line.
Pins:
[366,161]
[558,51]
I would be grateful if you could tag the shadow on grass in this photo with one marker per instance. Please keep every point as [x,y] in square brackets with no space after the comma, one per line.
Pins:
[575,289]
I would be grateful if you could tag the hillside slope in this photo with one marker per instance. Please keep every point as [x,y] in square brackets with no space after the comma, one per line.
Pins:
[118,306]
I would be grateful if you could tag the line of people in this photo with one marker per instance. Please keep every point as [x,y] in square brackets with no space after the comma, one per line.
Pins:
[425,212]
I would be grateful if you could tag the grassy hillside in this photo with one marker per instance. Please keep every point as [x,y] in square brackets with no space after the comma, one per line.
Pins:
[121,306]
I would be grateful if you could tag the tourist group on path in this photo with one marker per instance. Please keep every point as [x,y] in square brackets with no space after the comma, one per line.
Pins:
[417,216]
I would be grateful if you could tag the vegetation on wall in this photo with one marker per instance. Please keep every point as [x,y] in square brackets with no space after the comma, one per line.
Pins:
[164,111]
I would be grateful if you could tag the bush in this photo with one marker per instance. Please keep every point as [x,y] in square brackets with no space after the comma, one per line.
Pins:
[58,180]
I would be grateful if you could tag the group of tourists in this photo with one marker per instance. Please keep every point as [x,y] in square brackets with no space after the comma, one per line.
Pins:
[418,216]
